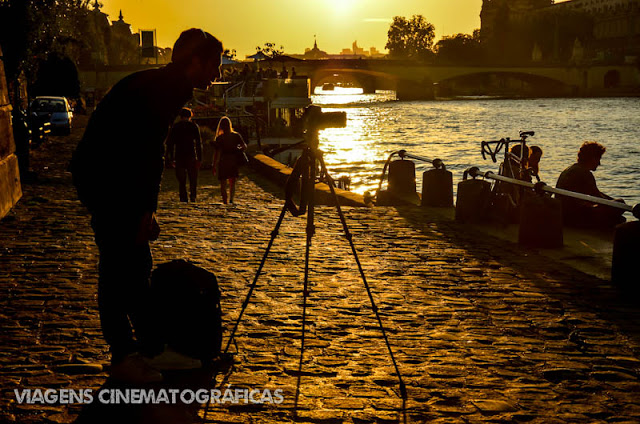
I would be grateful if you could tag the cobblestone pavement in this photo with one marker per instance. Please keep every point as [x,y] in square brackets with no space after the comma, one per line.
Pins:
[483,330]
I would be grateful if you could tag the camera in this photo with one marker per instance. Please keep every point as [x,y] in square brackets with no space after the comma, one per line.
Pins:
[315,119]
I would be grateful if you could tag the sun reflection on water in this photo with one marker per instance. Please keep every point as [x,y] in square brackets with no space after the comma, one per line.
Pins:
[452,131]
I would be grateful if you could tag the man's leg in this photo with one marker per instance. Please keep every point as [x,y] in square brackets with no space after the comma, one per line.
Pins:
[123,287]
[193,181]
[181,175]
[223,190]
[232,188]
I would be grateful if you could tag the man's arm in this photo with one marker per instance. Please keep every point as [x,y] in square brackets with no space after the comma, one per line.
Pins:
[198,140]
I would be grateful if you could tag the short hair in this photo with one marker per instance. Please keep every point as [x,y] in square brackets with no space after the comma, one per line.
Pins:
[536,149]
[185,112]
[590,149]
[517,149]
[195,42]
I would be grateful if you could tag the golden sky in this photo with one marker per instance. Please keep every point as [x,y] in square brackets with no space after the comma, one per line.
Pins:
[244,24]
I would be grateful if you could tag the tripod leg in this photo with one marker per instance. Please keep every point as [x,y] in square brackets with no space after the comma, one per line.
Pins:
[311,229]
[349,236]
[274,234]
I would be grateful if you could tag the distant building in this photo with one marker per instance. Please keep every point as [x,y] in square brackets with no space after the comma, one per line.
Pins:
[123,46]
[315,52]
[374,53]
[615,33]
[612,18]
[113,43]
[358,52]
[498,15]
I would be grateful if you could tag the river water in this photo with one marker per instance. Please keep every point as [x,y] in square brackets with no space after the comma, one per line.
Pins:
[453,129]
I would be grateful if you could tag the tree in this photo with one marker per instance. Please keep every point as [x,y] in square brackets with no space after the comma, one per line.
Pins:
[229,54]
[460,48]
[32,31]
[270,50]
[410,38]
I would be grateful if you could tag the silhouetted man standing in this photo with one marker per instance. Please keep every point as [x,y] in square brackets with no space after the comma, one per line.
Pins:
[184,146]
[117,168]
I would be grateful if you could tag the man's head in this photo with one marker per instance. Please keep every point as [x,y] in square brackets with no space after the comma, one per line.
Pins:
[185,113]
[535,154]
[590,154]
[200,54]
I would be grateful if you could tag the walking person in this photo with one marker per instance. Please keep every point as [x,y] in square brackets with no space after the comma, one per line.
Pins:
[228,158]
[117,168]
[184,147]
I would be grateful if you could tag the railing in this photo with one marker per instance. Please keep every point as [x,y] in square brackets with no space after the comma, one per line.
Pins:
[437,163]
[541,186]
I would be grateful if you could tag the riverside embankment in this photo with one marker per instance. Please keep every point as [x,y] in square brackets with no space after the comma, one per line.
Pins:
[483,330]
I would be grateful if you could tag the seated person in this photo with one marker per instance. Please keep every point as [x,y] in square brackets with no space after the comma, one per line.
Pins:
[579,178]
[511,168]
[534,161]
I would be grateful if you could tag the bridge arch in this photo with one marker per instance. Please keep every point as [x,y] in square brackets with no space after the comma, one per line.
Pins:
[367,79]
[501,82]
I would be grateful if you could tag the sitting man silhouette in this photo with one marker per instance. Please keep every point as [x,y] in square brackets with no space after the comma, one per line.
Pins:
[117,167]
[579,178]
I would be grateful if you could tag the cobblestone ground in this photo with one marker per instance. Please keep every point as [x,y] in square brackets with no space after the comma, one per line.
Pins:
[483,331]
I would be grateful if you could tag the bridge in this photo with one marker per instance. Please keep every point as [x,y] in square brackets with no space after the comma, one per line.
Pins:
[417,81]
[413,80]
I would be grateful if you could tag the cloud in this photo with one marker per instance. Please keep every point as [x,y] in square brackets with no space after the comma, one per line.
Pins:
[378,20]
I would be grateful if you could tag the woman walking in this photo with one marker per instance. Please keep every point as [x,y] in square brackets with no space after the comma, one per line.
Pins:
[229,156]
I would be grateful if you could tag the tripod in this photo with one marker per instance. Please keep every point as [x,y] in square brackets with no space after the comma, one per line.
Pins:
[304,173]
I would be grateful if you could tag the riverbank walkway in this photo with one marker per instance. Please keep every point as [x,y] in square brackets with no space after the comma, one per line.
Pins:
[483,330]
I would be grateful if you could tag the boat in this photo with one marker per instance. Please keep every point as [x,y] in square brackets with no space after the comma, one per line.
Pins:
[267,112]
[328,87]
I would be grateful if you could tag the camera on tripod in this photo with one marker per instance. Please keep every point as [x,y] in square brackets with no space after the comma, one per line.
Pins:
[315,119]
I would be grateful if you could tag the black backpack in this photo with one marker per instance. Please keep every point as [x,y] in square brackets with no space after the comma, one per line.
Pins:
[187,303]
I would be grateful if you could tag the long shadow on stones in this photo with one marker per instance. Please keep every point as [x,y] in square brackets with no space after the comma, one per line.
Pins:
[265,184]
[106,410]
[570,289]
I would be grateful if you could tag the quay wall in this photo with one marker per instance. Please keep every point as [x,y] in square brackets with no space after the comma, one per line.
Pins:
[279,173]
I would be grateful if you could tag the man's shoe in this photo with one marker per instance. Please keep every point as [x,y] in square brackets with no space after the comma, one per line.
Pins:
[172,360]
[133,369]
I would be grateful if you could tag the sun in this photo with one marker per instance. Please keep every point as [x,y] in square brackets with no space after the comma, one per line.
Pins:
[339,8]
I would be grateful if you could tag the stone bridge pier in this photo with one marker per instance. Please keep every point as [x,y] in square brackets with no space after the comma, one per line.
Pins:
[415,90]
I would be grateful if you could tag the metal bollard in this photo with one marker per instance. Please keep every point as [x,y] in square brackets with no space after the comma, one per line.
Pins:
[402,177]
[626,253]
[473,199]
[437,186]
[540,221]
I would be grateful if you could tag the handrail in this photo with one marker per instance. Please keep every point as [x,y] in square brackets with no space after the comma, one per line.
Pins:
[233,87]
[475,172]
[437,163]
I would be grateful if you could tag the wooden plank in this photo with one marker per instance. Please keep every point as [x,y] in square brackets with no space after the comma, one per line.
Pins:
[7,145]
[4,92]
[10,190]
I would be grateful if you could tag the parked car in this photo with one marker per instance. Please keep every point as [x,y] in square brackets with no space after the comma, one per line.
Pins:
[55,110]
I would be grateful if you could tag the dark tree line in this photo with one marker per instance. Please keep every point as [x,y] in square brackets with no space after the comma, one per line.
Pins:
[413,39]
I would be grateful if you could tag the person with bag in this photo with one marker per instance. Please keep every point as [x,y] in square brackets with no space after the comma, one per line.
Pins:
[229,157]
[131,124]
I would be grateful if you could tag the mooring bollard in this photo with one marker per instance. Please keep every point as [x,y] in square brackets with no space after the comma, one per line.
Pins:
[626,253]
[402,177]
[473,198]
[437,186]
[540,221]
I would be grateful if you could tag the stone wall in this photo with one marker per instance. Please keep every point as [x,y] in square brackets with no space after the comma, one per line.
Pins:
[10,190]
